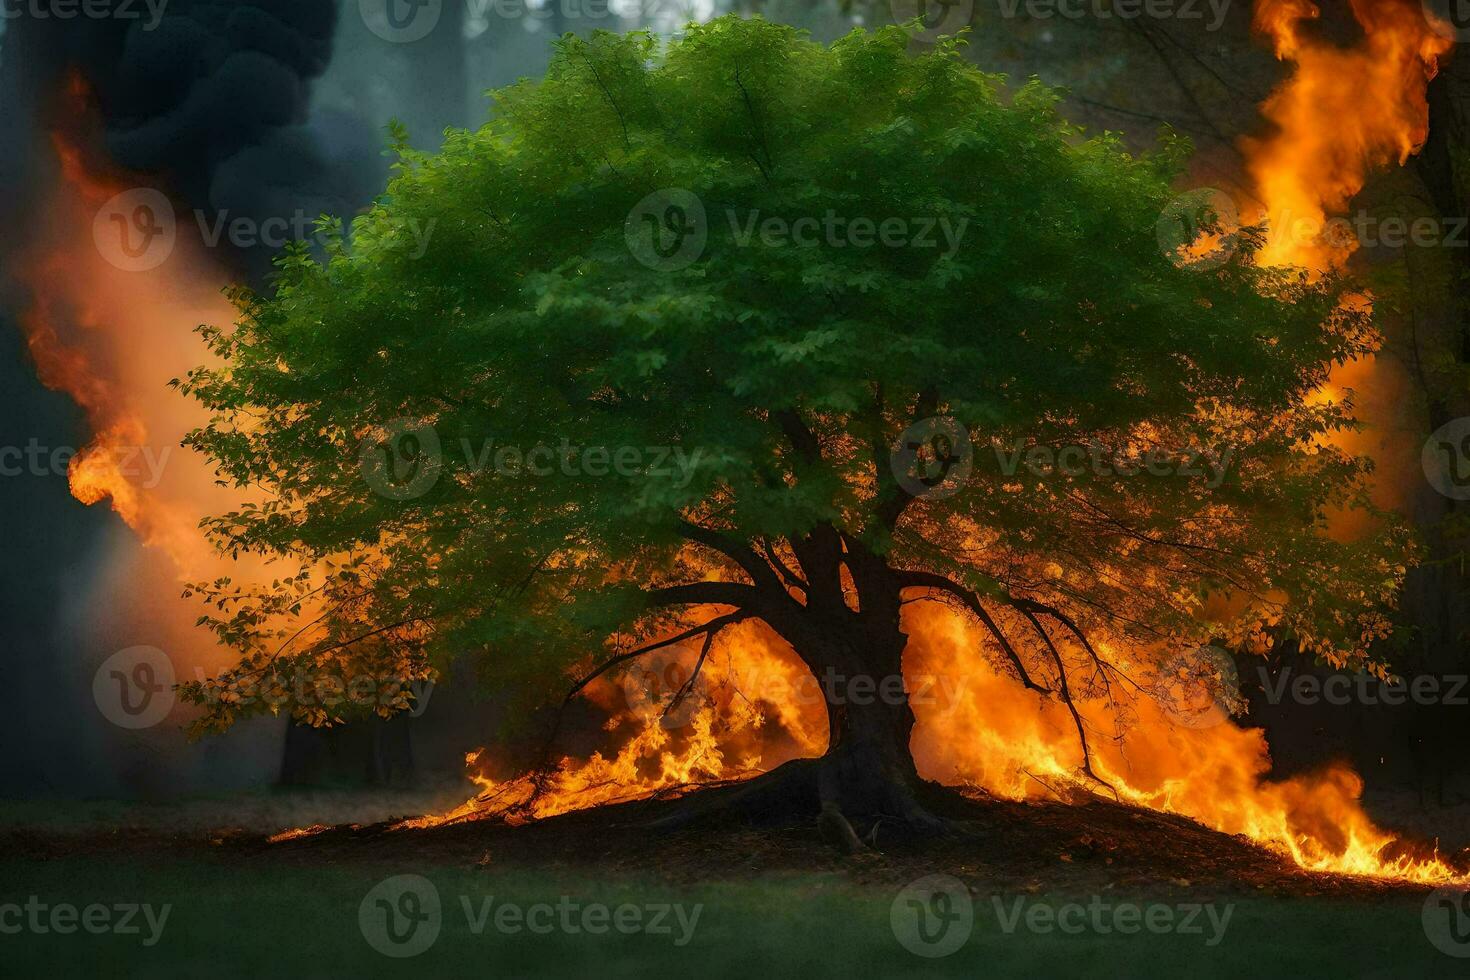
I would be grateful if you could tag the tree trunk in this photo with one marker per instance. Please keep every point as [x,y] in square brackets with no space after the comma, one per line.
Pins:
[868,772]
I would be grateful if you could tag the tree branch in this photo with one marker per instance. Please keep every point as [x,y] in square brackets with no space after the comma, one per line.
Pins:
[971,601]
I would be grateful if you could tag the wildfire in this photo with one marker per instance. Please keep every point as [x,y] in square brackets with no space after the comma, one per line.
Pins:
[1342,113]
[751,707]
[112,339]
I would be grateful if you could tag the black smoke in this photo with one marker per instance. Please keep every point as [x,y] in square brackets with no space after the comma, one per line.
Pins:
[210,104]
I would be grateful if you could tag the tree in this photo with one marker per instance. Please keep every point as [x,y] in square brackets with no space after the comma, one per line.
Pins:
[861,419]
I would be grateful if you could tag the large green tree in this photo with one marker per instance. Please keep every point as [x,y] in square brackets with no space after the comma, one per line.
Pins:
[742,327]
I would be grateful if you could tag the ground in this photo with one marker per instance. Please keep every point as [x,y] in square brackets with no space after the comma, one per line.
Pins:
[776,901]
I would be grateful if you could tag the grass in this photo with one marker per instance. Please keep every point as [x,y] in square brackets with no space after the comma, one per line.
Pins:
[239,916]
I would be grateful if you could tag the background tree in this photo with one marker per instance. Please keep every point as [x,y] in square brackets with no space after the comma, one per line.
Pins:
[571,296]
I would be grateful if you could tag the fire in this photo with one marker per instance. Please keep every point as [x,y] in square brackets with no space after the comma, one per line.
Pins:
[1341,114]
[112,339]
[751,707]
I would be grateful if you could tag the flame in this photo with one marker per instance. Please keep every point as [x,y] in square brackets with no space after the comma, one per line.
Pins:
[753,707]
[112,340]
[1342,113]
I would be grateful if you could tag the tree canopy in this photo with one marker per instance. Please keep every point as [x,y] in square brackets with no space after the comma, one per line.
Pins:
[689,326]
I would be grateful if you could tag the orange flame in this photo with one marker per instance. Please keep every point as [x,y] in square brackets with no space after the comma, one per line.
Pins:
[1343,113]
[112,339]
[128,333]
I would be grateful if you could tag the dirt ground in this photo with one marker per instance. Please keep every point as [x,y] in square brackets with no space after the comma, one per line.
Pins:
[1091,846]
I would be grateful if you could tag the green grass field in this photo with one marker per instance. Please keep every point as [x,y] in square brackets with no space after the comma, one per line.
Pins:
[233,916]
